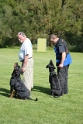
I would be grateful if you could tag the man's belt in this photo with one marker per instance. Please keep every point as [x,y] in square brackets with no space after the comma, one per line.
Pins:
[28,58]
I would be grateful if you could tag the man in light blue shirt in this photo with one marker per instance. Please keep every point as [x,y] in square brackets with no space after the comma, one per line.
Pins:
[25,56]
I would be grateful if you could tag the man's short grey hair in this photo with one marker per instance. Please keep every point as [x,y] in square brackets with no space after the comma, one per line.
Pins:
[22,34]
[53,36]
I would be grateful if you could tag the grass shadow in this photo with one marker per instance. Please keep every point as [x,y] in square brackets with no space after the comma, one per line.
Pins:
[4,92]
[41,89]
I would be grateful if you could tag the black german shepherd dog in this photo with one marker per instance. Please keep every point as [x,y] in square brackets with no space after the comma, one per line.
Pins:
[17,85]
[56,90]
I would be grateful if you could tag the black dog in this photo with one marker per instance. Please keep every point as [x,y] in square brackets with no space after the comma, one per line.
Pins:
[56,90]
[17,85]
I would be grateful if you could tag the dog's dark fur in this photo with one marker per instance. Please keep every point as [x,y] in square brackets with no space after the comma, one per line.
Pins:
[56,90]
[17,85]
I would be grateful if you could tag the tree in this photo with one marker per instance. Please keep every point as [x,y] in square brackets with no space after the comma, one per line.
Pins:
[40,18]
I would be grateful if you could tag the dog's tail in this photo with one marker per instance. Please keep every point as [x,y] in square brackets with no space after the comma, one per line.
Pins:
[33,99]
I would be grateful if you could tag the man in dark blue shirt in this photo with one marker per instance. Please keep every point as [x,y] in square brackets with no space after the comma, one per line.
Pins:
[63,60]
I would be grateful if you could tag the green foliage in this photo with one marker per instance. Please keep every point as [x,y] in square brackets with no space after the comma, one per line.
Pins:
[40,18]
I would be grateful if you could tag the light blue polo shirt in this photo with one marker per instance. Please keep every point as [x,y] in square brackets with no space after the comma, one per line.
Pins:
[26,48]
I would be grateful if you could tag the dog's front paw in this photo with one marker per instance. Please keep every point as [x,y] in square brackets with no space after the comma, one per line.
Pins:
[10,96]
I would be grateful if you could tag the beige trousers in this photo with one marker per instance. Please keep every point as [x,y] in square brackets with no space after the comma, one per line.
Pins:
[28,74]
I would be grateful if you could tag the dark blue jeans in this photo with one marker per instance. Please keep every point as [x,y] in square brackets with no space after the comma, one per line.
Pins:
[63,77]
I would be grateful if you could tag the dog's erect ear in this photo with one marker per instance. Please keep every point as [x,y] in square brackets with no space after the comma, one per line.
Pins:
[16,64]
[51,63]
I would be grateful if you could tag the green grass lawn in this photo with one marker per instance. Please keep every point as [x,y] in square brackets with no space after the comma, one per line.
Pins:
[68,109]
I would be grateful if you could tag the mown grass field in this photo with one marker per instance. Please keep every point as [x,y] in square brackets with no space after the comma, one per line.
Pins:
[68,109]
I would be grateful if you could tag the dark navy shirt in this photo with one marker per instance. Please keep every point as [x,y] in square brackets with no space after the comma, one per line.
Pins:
[62,45]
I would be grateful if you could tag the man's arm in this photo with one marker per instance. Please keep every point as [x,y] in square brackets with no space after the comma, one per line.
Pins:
[25,63]
[62,59]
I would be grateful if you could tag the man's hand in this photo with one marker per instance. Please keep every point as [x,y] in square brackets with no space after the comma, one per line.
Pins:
[60,65]
[23,69]
[62,59]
